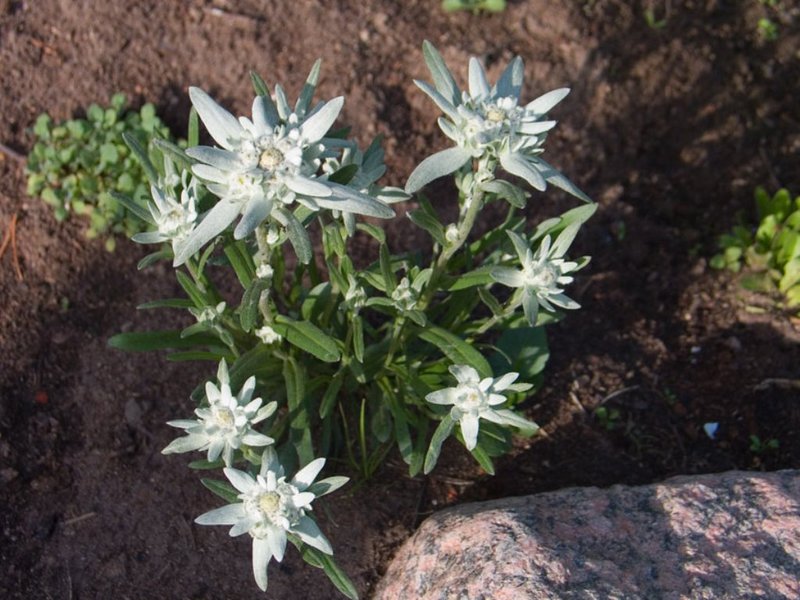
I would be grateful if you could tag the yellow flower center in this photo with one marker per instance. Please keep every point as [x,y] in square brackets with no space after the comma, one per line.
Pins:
[270,159]
[495,114]
[269,503]
[224,417]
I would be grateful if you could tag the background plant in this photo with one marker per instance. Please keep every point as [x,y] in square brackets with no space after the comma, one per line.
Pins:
[494,6]
[317,357]
[770,252]
[77,166]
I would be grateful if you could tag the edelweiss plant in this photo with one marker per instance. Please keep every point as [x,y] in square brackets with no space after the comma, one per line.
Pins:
[351,362]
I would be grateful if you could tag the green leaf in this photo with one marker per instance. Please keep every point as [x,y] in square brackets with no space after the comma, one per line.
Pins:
[259,86]
[166,303]
[375,232]
[457,350]
[204,465]
[109,154]
[42,126]
[298,236]
[523,350]
[133,143]
[381,421]
[490,301]
[308,337]
[222,489]
[444,429]
[195,356]
[307,93]
[483,459]
[191,289]
[331,394]
[344,175]
[248,309]
[387,272]
[401,431]
[480,276]
[259,361]
[181,159]
[133,207]
[241,262]
[422,219]
[442,78]
[507,191]
[143,341]
[358,338]
[154,258]
[300,424]
[333,241]
[193,135]
[332,570]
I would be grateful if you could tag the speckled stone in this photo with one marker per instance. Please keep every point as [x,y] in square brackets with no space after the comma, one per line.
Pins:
[733,535]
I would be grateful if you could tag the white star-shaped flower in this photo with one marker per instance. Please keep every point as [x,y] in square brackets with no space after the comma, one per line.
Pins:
[264,165]
[543,273]
[226,423]
[272,509]
[474,399]
[489,123]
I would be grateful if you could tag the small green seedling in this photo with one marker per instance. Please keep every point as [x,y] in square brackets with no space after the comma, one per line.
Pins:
[476,6]
[767,29]
[78,165]
[609,419]
[759,447]
[771,254]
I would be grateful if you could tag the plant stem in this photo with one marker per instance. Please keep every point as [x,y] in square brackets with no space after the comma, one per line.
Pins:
[464,229]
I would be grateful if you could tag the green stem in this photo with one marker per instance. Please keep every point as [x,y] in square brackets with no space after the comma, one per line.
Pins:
[464,229]
[347,445]
[439,267]
[362,436]
[395,341]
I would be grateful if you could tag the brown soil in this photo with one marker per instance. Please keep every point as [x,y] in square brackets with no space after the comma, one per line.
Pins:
[669,129]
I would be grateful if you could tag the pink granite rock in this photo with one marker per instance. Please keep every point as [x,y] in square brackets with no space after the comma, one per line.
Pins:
[734,535]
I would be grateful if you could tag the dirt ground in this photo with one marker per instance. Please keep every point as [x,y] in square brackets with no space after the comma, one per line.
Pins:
[669,128]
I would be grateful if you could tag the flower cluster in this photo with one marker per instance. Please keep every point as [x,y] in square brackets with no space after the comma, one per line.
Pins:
[489,124]
[273,509]
[174,213]
[331,339]
[475,398]
[264,166]
[226,424]
[263,169]
[543,273]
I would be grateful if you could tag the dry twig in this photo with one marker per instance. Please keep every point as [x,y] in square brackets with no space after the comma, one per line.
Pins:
[10,239]
[13,154]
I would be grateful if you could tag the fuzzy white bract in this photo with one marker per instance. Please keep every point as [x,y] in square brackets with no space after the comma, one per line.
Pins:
[264,165]
[174,218]
[490,125]
[543,273]
[268,335]
[226,424]
[474,399]
[272,509]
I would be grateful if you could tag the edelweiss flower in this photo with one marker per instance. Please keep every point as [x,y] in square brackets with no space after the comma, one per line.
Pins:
[174,219]
[208,315]
[369,167]
[264,165]
[271,509]
[543,273]
[489,124]
[474,398]
[268,335]
[226,424]
[355,297]
[405,296]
